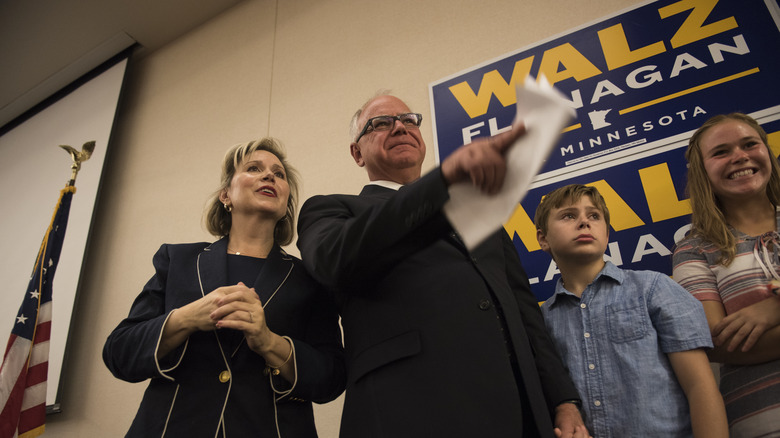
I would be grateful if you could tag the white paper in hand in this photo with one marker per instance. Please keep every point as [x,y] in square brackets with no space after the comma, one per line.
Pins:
[545,112]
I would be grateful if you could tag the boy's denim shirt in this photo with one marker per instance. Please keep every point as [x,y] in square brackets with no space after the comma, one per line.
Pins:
[615,341]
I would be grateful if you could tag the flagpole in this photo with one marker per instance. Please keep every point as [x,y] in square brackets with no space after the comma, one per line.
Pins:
[24,369]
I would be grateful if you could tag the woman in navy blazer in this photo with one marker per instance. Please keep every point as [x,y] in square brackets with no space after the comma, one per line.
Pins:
[236,337]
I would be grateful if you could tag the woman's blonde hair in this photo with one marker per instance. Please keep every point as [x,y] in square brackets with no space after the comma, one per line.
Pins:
[218,220]
[708,220]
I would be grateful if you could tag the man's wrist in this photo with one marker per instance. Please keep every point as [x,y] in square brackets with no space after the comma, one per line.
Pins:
[575,401]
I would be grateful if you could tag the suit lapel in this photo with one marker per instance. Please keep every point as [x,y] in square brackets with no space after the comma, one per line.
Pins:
[276,269]
[212,266]
[212,270]
[455,239]
[212,274]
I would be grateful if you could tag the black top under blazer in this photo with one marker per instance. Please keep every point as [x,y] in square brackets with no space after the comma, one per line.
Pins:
[185,396]
[426,321]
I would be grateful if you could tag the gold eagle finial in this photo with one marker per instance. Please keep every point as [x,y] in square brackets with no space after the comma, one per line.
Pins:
[78,157]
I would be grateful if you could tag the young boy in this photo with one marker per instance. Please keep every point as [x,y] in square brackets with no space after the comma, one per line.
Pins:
[633,340]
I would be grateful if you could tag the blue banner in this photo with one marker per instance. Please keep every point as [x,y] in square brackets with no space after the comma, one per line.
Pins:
[641,82]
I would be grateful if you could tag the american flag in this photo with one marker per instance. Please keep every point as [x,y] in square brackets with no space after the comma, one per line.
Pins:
[26,360]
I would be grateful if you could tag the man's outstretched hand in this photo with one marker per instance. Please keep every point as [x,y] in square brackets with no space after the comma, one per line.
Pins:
[483,162]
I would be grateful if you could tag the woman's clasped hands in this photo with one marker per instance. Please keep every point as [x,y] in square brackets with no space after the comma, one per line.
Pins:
[238,307]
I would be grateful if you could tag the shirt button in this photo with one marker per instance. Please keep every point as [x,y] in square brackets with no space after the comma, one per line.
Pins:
[583,305]
[597,403]
[591,367]
[587,335]
[224,376]
[484,304]
[474,260]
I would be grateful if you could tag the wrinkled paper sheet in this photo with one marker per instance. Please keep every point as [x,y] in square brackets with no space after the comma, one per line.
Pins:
[545,113]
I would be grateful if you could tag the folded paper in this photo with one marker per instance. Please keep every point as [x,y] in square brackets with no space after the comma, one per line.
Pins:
[545,113]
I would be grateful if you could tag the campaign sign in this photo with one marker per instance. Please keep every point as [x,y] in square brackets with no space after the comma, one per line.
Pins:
[641,82]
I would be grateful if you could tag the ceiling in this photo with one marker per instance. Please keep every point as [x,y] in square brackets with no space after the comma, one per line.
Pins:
[46,45]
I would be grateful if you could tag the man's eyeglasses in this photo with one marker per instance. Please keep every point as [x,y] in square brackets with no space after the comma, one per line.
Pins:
[386,123]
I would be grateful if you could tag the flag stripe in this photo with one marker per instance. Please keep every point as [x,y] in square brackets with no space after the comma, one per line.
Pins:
[44,314]
[32,418]
[39,354]
[13,365]
[9,417]
[34,395]
[37,374]
[43,332]
[11,340]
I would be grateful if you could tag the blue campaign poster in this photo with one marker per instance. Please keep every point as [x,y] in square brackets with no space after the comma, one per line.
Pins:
[641,82]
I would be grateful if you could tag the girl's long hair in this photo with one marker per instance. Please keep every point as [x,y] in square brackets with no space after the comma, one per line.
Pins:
[708,220]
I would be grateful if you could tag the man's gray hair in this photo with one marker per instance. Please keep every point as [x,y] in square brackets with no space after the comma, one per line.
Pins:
[354,128]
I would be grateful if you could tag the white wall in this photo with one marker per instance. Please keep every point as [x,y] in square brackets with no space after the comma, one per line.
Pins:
[296,70]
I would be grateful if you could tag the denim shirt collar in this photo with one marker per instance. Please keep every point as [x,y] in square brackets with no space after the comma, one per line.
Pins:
[609,270]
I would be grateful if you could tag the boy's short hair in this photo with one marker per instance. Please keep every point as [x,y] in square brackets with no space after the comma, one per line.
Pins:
[568,195]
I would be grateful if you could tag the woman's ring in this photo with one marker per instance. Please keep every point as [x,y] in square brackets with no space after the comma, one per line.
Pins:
[251,317]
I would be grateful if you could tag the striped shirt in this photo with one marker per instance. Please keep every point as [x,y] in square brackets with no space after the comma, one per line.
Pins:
[751,392]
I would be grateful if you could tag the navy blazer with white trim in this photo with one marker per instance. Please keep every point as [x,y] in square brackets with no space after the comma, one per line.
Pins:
[185,396]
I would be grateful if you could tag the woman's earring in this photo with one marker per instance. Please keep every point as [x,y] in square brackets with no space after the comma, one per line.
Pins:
[228,208]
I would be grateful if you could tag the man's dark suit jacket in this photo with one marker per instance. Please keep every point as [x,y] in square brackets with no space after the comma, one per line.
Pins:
[188,395]
[426,323]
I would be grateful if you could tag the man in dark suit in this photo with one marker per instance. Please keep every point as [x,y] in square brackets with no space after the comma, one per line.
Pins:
[440,341]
